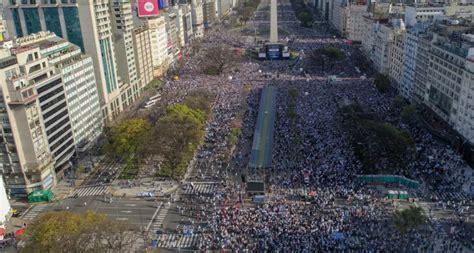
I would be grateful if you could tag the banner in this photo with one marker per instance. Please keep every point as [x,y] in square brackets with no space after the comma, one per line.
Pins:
[147,8]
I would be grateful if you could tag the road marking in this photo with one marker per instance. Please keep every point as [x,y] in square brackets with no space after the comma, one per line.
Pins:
[131,204]
[127,211]
[121,218]
[153,217]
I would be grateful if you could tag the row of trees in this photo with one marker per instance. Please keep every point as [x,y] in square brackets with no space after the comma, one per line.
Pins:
[302,13]
[172,139]
[246,10]
[381,147]
[76,233]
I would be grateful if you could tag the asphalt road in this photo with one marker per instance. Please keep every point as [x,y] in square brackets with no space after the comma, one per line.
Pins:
[137,212]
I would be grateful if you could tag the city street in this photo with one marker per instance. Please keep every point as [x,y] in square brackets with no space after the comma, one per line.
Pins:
[210,209]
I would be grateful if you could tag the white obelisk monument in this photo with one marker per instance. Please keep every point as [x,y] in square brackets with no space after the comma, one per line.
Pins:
[273,22]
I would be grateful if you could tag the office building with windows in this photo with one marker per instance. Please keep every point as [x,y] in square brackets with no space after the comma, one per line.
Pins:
[85,23]
[122,27]
[142,41]
[26,161]
[79,83]
[52,100]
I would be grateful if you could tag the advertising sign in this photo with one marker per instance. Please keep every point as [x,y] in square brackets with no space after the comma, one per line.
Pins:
[147,8]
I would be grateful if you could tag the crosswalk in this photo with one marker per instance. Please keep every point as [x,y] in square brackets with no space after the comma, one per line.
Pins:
[200,188]
[33,212]
[90,191]
[160,217]
[178,241]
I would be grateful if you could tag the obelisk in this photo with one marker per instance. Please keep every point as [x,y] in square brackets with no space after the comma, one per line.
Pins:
[273,22]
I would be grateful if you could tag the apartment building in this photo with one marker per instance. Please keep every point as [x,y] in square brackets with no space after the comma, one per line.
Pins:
[197,17]
[52,100]
[397,49]
[450,82]
[142,41]
[173,37]
[85,23]
[355,25]
[209,13]
[159,44]
[79,85]
[122,27]
[421,67]
[422,13]
[26,161]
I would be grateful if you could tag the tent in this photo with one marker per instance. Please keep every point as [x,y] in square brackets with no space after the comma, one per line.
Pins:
[392,194]
[40,196]
[403,195]
[20,232]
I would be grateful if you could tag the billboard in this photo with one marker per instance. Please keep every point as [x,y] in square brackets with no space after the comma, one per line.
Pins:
[147,8]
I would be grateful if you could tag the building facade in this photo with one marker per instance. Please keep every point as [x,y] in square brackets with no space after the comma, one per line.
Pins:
[450,82]
[26,161]
[79,84]
[87,25]
[143,57]
[159,44]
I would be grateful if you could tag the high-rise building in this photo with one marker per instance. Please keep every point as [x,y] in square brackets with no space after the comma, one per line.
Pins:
[173,37]
[25,158]
[209,13]
[122,22]
[450,82]
[142,41]
[397,50]
[85,23]
[159,44]
[197,18]
[80,88]
[53,105]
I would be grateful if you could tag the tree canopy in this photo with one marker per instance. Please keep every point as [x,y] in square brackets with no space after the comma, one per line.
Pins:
[71,232]
[381,147]
[382,82]
[326,56]
[126,140]
[177,135]
[409,219]
[217,59]
[301,11]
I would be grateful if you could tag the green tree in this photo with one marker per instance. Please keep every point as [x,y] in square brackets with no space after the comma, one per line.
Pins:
[381,147]
[409,219]
[70,232]
[398,104]
[176,137]
[306,18]
[326,56]
[382,82]
[126,141]
[408,114]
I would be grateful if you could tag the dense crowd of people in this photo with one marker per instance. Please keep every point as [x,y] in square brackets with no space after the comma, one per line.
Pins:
[312,153]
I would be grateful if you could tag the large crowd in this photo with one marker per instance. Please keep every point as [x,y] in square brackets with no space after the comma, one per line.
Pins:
[312,153]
